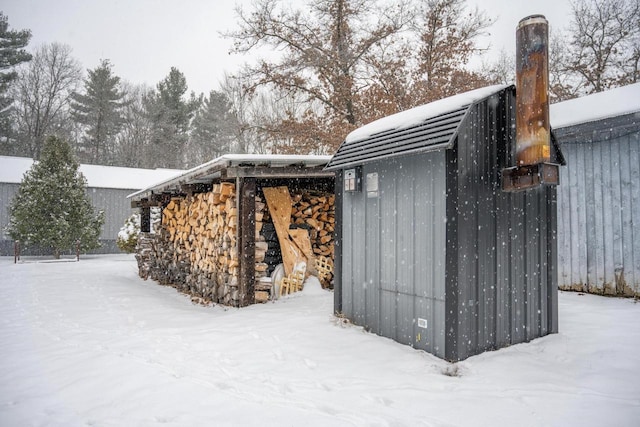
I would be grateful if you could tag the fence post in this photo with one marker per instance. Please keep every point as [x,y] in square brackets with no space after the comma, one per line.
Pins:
[16,251]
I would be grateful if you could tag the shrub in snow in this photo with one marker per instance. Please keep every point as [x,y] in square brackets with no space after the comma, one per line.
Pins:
[128,235]
[51,208]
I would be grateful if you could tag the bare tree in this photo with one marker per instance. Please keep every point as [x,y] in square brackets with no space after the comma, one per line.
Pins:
[604,46]
[42,93]
[447,34]
[563,83]
[502,70]
[323,50]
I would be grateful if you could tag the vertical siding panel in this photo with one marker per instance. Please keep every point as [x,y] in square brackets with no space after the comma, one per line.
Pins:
[574,221]
[388,239]
[423,254]
[372,258]
[590,230]
[607,199]
[504,262]
[564,232]
[615,209]
[531,252]
[438,210]
[348,236]
[634,162]
[517,268]
[546,257]
[599,216]
[358,256]
[404,242]
[625,210]
[581,199]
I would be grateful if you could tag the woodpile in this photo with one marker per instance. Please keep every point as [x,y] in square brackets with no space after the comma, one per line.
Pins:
[195,248]
[317,212]
[304,222]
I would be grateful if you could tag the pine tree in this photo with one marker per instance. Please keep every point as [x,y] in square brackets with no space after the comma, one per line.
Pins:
[213,129]
[51,208]
[12,53]
[99,110]
[170,114]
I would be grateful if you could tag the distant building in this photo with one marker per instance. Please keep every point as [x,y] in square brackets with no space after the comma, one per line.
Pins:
[599,192]
[107,187]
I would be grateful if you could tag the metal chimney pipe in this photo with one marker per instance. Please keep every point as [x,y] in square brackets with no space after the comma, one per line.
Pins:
[533,139]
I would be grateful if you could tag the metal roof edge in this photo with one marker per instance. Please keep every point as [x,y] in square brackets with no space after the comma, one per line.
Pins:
[232,160]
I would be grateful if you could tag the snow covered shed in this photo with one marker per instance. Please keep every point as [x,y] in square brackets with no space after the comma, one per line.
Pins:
[107,187]
[228,223]
[599,195]
[431,250]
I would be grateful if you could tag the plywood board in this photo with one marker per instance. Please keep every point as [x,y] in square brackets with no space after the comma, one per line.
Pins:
[279,204]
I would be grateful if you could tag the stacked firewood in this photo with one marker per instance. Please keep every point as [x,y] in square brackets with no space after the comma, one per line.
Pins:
[202,231]
[316,212]
[196,250]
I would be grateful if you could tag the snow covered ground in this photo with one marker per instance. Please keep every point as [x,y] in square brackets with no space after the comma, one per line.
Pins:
[89,343]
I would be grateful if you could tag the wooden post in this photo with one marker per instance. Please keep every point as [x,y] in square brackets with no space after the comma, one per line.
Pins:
[145,219]
[246,193]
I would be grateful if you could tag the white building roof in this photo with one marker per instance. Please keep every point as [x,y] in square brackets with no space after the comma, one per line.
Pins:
[12,170]
[614,102]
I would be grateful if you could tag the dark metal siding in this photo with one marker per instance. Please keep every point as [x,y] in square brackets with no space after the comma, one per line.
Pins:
[501,283]
[392,264]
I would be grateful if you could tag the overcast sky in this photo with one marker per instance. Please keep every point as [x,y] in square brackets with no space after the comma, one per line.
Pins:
[143,39]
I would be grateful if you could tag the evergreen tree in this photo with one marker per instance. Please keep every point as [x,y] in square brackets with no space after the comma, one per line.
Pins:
[99,110]
[12,53]
[51,208]
[170,114]
[213,129]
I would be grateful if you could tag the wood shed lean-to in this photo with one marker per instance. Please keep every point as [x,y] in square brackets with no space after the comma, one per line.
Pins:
[599,195]
[431,251]
[227,224]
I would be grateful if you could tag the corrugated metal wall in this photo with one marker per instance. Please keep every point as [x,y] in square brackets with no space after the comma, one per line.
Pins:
[501,247]
[393,252]
[599,212]
[445,244]
[113,201]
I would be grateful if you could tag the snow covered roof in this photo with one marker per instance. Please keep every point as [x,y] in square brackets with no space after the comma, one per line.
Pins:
[431,125]
[12,170]
[614,102]
[216,168]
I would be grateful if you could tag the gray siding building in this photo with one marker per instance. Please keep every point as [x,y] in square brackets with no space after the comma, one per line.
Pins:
[599,195]
[107,187]
[431,252]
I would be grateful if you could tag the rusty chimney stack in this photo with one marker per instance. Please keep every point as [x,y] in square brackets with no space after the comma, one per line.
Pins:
[533,137]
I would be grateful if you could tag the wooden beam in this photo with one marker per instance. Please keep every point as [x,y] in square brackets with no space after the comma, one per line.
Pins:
[279,172]
[246,199]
